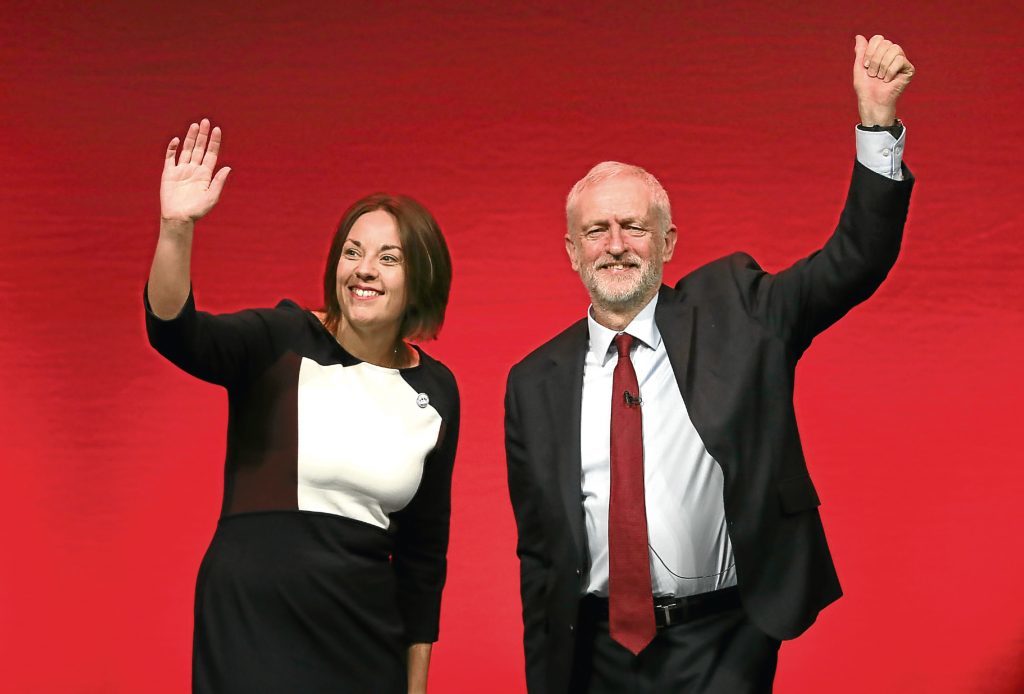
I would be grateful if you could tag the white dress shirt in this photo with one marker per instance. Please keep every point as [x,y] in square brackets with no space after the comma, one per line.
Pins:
[690,550]
[682,482]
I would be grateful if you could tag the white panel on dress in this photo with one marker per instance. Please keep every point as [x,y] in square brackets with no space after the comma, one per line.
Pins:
[362,440]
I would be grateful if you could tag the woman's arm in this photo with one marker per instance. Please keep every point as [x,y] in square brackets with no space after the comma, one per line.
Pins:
[188,191]
[419,661]
[221,349]
[421,531]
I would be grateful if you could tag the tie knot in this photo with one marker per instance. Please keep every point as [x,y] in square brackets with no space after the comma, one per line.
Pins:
[623,342]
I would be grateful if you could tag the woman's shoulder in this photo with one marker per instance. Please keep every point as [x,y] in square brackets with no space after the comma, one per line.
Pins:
[291,312]
[284,322]
[288,306]
[435,366]
[432,376]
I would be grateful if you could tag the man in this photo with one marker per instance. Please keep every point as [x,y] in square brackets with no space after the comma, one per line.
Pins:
[669,536]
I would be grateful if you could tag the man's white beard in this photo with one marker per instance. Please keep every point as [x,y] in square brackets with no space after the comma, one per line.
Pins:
[609,292]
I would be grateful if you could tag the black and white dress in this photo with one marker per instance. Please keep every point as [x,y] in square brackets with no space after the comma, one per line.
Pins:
[329,557]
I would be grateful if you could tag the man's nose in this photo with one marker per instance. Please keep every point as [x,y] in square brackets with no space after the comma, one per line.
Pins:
[616,240]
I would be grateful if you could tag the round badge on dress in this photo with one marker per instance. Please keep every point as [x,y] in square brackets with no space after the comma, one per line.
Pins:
[422,400]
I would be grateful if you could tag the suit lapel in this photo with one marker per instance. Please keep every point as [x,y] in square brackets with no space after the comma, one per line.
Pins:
[563,395]
[674,319]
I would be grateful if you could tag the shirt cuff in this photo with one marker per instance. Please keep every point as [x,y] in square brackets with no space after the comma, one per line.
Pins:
[881,152]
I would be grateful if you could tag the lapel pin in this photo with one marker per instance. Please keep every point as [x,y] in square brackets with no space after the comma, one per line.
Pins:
[422,400]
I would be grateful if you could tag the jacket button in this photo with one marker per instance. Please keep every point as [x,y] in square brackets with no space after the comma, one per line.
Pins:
[571,627]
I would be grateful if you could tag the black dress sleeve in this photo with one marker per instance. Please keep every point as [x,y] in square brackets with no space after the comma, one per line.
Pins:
[421,530]
[225,349]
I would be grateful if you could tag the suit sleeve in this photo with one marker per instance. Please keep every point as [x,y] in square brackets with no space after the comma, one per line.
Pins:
[222,349]
[421,535]
[526,500]
[815,292]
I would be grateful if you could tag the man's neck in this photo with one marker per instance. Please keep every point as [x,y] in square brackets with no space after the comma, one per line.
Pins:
[618,317]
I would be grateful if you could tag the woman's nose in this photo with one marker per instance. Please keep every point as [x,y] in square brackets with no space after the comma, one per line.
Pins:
[366,268]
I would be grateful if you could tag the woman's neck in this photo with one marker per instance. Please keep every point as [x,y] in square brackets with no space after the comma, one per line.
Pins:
[380,347]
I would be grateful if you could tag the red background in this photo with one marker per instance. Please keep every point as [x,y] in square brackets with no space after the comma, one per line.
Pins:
[488,112]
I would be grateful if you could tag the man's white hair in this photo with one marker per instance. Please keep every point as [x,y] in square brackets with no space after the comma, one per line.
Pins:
[660,207]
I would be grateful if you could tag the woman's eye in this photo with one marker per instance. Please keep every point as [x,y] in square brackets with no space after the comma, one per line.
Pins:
[389,259]
[351,253]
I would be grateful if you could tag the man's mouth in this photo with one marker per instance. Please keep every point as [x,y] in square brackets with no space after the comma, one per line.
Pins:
[618,266]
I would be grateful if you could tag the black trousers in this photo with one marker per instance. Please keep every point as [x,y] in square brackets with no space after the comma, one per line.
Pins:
[720,653]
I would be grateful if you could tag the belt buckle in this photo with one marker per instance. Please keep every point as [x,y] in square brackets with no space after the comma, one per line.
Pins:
[666,612]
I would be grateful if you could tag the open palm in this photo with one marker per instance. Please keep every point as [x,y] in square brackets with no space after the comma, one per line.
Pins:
[189,188]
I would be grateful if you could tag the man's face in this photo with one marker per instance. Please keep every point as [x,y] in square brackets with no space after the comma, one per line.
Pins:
[615,244]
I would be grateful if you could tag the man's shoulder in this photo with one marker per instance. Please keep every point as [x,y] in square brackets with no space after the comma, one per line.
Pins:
[725,270]
[565,345]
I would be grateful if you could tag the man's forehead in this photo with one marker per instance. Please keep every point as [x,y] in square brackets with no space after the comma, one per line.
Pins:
[619,197]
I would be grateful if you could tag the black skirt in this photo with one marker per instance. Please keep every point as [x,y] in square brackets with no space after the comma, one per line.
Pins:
[297,601]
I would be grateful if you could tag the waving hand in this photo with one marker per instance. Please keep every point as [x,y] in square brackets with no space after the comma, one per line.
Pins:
[189,188]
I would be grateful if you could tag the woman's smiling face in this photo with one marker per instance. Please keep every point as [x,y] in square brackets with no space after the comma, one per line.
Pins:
[371,274]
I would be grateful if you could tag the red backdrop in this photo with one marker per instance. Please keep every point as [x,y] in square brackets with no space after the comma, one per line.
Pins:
[488,112]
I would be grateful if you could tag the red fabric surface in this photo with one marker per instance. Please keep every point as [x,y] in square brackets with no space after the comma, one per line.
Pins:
[488,112]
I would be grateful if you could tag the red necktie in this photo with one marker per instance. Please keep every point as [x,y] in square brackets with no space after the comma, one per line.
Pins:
[630,606]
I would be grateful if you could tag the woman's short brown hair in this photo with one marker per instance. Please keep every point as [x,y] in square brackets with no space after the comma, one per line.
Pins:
[427,264]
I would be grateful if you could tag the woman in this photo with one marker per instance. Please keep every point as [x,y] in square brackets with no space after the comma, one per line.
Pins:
[326,569]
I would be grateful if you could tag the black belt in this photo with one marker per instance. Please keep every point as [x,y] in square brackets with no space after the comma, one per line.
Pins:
[670,610]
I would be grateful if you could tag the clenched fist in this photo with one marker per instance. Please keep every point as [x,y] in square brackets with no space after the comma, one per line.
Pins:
[881,72]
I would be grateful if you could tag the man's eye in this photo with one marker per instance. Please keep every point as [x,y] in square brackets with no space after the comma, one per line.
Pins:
[593,234]
[635,230]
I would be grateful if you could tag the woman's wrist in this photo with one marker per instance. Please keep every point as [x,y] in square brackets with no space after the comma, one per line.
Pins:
[176,231]
[176,224]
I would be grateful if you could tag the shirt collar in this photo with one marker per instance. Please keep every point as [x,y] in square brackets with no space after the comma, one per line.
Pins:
[642,327]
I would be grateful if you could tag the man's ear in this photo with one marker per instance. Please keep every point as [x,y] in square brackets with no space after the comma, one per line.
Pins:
[570,249]
[671,236]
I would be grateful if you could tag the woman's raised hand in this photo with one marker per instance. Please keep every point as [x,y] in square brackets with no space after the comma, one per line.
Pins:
[189,188]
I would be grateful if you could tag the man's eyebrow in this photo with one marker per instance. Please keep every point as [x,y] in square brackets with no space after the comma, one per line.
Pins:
[621,220]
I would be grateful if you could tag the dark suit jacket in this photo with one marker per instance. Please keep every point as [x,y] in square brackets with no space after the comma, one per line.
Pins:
[733,333]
